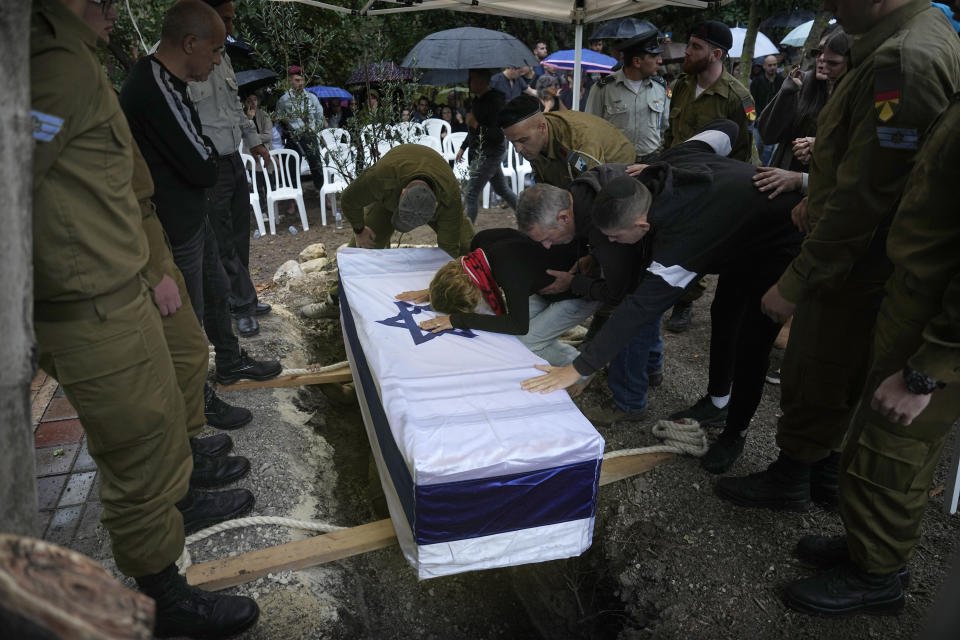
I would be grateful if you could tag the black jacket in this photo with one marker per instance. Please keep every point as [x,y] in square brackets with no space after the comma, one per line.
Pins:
[707,217]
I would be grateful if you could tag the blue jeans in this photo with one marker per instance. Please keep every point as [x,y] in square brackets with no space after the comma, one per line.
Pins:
[549,321]
[630,371]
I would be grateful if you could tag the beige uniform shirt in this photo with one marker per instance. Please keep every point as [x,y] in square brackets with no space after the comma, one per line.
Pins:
[221,114]
[640,115]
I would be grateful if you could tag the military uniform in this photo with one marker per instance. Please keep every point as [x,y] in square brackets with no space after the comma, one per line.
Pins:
[887,467]
[371,199]
[640,115]
[185,338]
[97,330]
[573,131]
[726,98]
[902,74]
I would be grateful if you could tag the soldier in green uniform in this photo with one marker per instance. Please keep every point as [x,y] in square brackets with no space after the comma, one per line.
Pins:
[562,144]
[411,185]
[705,92]
[98,332]
[905,65]
[910,401]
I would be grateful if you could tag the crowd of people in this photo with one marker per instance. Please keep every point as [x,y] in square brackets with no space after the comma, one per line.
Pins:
[818,195]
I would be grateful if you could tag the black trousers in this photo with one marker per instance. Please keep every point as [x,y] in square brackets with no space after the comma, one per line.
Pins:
[488,169]
[228,210]
[208,287]
[741,337]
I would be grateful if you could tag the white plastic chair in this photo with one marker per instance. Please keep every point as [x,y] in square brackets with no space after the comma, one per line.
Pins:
[435,126]
[451,144]
[338,164]
[523,169]
[286,185]
[335,136]
[509,171]
[250,167]
[430,141]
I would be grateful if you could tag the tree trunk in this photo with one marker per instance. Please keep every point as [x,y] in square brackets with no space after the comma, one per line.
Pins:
[749,40]
[47,591]
[18,492]
[813,38]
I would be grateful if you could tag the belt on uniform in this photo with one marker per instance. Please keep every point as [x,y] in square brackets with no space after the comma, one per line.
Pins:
[93,308]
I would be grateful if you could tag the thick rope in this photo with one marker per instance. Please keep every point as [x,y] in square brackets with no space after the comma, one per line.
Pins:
[679,436]
[683,436]
[313,369]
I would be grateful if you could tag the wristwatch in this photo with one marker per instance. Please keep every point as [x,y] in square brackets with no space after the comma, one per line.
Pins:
[919,383]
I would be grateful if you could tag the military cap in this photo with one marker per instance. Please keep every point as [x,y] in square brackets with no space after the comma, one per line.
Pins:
[517,110]
[417,206]
[646,40]
[714,32]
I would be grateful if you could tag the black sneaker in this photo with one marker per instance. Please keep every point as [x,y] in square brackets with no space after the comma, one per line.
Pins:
[210,472]
[827,552]
[202,509]
[846,590]
[722,454]
[216,446]
[247,367]
[680,318]
[182,610]
[222,415]
[784,485]
[703,412]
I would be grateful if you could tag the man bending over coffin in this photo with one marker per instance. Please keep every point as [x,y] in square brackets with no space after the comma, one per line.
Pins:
[701,217]
[507,270]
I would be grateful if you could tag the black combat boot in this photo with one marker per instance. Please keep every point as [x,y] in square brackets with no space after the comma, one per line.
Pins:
[210,472]
[846,590]
[221,415]
[785,485]
[202,509]
[827,552]
[723,453]
[216,446]
[183,610]
[824,483]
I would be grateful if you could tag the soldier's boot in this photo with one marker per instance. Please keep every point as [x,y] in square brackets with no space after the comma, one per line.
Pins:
[680,318]
[216,471]
[222,415]
[216,446]
[723,453]
[784,485]
[827,552]
[824,481]
[202,509]
[183,610]
[846,590]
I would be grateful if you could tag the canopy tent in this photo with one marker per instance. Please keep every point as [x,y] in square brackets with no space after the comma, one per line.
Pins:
[578,12]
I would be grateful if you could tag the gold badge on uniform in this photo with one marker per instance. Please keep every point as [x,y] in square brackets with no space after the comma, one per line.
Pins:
[886,92]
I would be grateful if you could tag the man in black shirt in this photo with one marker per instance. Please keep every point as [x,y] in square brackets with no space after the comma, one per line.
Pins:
[184,163]
[763,88]
[486,143]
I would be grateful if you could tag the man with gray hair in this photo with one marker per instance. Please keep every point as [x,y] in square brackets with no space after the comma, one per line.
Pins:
[706,220]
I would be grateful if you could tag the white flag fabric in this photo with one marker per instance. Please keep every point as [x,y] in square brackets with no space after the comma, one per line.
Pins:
[478,473]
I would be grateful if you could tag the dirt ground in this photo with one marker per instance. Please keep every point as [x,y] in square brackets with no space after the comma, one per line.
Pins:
[669,559]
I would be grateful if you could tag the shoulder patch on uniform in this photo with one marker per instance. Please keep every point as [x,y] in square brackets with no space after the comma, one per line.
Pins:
[897,138]
[45,126]
[669,92]
[659,80]
[886,89]
[605,80]
[748,108]
[578,162]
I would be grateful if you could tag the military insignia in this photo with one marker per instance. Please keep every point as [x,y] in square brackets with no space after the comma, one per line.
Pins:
[578,162]
[886,92]
[45,126]
[748,109]
[898,138]
[669,92]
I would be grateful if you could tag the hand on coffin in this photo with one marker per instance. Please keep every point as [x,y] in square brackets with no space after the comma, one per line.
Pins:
[557,378]
[415,296]
[436,325]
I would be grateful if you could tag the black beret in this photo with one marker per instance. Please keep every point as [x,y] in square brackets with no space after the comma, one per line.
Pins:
[520,108]
[714,32]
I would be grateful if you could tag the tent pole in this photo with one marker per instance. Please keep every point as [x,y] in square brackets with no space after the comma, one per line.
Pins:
[578,44]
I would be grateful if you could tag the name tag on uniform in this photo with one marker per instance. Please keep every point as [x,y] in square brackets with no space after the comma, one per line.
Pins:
[45,126]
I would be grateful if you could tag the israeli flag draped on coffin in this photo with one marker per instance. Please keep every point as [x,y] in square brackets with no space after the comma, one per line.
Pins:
[477,472]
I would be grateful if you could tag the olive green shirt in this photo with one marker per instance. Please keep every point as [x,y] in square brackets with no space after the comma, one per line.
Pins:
[901,77]
[725,98]
[569,131]
[221,114]
[640,115]
[87,231]
[383,182]
[924,245]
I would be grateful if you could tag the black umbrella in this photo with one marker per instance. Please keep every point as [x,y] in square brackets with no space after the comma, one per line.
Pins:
[469,48]
[443,77]
[236,46]
[622,28]
[788,19]
[249,81]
